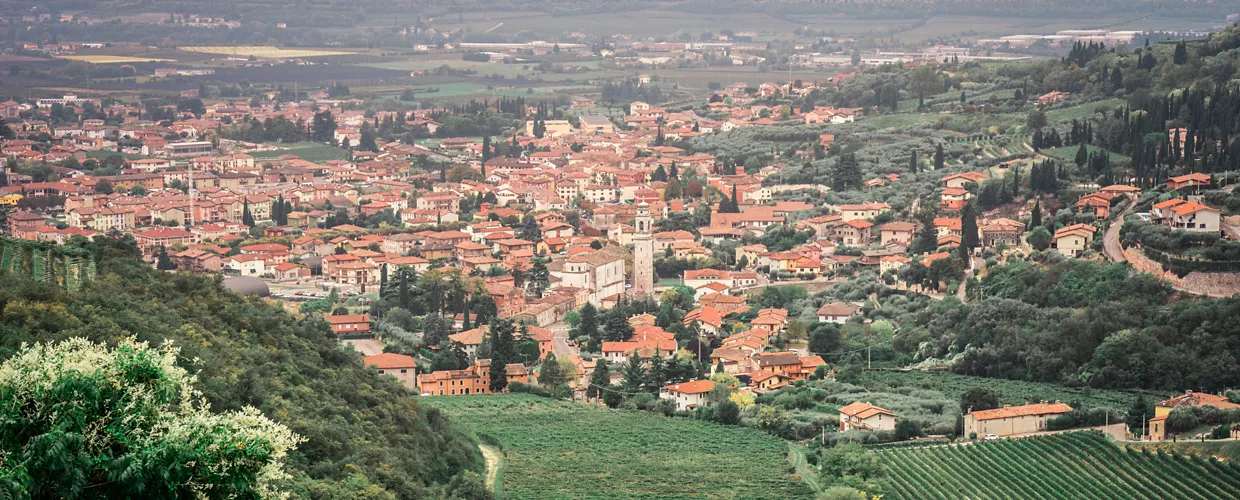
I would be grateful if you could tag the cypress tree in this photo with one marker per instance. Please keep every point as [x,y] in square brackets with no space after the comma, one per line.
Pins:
[938,157]
[1035,219]
[246,217]
[912,162]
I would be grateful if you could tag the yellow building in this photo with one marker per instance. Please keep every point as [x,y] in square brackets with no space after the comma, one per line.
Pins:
[554,128]
[10,199]
[1158,424]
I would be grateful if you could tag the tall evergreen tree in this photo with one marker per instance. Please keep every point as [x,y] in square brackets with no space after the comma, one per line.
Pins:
[912,162]
[634,374]
[599,380]
[1035,219]
[247,218]
[939,157]
[968,227]
[503,351]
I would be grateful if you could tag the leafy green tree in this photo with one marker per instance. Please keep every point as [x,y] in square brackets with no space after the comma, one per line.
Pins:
[80,420]
[1036,119]
[549,374]
[728,413]
[925,80]
[824,338]
[979,398]
[589,327]
[1039,238]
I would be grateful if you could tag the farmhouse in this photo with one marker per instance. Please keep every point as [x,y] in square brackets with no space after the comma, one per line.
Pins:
[1011,420]
[865,416]
[397,365]
[1158,424]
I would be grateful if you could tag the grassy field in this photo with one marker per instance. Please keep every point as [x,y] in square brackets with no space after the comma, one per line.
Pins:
[1014,392]
[1068,153]
[309,151]
[559,450]
[1072,465]
[1080,111]
[260,51]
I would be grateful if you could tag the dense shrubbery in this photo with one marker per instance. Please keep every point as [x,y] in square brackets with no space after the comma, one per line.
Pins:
[1081,323]
[363,431]
[1209,245]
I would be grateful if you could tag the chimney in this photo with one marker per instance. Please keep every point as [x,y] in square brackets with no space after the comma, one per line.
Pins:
[1188,392]
[1007,406]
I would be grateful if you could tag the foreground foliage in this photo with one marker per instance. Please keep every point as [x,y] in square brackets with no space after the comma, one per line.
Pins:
[1072,465]
[363,432]
[558,449]
[79,420]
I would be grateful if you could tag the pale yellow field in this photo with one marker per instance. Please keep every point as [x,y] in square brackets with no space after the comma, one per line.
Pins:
[106,59]
[260,51]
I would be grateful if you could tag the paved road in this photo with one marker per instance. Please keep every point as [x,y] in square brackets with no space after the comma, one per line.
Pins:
[1110,240]
[559,343]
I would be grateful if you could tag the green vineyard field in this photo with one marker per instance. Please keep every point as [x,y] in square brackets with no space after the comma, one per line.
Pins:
[558,450]
[1071,465]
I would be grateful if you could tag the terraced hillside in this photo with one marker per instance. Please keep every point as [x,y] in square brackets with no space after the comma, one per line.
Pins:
[1070,465]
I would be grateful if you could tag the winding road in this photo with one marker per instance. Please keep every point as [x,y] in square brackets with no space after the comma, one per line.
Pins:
[1110,239]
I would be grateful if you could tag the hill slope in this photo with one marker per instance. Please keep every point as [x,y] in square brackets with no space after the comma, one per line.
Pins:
[557,449]
[363,431]
[1071,465]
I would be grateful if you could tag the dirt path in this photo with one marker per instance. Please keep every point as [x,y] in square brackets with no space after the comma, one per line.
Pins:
[495,461]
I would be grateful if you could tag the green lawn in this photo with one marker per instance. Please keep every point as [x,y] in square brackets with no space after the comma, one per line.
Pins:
[309,151]
[561,450]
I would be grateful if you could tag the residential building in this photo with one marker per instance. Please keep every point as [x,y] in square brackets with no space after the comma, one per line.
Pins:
[865,416]
[349,324]
[688,395]
[1011,420]
[397,365]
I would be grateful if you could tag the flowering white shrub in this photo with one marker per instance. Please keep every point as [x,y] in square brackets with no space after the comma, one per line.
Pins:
[78,419]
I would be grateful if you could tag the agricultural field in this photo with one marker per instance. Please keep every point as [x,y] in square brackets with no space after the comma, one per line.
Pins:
[1068,153]
[1013,392]
[309,151]
[261,51]
[111,59]
[1082,111]
[557,450]
[1070,465]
